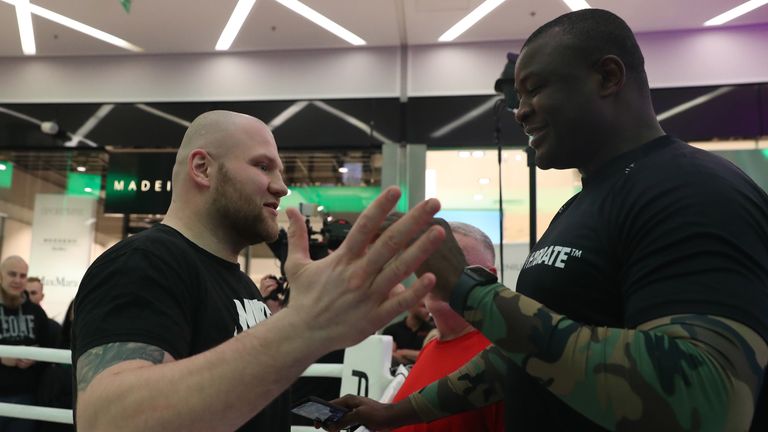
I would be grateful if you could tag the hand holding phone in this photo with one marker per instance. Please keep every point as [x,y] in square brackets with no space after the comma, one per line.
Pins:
[319,410]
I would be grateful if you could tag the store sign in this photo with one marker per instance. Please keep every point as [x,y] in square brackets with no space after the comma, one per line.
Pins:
[62,235]
[139,183]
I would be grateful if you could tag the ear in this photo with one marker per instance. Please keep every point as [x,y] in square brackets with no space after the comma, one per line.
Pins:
[493,270]
[612,73]
[199,164]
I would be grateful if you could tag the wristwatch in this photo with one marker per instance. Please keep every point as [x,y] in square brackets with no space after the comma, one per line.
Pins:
[471,277]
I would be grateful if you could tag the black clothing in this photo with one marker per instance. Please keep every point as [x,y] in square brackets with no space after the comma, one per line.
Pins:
[663,229]
[26,325]
[159,288]
[405,338]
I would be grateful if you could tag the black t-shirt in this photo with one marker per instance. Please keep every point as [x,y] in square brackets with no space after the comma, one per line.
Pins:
[661,230]
[26,325]
[159,288]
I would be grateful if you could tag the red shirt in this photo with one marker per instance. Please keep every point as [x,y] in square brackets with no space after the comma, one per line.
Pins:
[438,359]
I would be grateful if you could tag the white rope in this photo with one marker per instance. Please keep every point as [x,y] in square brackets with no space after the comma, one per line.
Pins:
[49,355]
[31,412]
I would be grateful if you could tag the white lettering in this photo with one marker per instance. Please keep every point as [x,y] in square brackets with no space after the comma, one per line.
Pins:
[145,185]
[158,185]
[563,256]
[554,255]
[132,185]
[119,185]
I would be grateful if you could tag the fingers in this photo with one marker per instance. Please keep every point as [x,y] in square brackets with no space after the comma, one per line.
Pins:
[408,298]
[401,233]
[407,262]
[298,240]
[367,225]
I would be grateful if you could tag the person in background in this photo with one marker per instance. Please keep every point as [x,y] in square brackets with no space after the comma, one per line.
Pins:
[21,323]
[644,305]
[455,343]
[36,295]
[408,334]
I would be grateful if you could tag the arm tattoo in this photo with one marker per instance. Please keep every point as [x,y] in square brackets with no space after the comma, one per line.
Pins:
[674,373]
[96,360]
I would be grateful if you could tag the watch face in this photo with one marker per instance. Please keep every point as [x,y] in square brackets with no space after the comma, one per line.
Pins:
[481,274]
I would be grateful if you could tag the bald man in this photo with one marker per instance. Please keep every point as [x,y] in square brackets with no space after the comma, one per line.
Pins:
[21,323]
[169,334]
[456,343]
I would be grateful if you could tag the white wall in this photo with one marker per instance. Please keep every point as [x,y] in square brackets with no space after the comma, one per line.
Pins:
[17,239]
[691,58]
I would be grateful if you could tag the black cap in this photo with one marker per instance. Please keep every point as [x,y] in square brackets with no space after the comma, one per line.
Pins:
[508,74]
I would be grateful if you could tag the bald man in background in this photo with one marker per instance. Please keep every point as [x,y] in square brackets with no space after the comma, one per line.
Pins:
[22,322]
[169,334]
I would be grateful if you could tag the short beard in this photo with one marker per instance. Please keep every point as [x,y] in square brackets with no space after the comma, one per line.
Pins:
[239,213]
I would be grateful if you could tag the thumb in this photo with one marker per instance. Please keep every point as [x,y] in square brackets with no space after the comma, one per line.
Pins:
[298,242]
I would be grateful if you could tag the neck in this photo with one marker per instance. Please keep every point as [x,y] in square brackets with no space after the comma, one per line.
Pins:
[450,333]
[10,301]
[622,141]
[194,226]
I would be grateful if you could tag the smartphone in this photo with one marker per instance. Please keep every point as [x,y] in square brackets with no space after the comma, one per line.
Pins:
[319,410]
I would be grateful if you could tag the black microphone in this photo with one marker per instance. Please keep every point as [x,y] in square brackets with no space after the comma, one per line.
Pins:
[506,82]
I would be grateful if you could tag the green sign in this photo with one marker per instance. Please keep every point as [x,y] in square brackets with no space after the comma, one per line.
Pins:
[82,184]
[334,199]
[6,174]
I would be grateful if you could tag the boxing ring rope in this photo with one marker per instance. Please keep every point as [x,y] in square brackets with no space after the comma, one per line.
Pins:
[365,371]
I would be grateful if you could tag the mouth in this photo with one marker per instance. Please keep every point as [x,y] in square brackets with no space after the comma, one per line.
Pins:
[534,135]
[272,206]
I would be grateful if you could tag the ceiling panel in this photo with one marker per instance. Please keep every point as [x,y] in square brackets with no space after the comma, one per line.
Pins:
[194,26]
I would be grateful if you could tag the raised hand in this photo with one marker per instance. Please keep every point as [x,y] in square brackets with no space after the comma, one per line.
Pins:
[353,292]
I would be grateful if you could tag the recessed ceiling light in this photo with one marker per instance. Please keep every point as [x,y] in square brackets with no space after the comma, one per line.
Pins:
[3,167]
[88,189]
[575,5]
[236,20]
[321,20]
[80,168]
[736,12]
[320,208]
[26,32]
[484,180]
[78,26]
[343,170]
[468,21]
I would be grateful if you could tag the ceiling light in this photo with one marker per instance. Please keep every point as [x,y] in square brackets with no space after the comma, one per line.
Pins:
[736,12]
[468,21]
[464,154]
[228,35]
[80,169]
[477,154]
[343,170]
[478,197]
[88,189]
[320,208]
[484,180]
[26,32]
[319,19]
[78,26]
[575,5]
[3,167]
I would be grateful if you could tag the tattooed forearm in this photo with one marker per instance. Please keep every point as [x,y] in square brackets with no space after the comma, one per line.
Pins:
[96,360]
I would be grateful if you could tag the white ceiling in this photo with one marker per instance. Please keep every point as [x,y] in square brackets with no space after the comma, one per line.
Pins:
[194,26]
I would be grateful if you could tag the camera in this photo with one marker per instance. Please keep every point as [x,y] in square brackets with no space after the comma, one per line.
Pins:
[281,293]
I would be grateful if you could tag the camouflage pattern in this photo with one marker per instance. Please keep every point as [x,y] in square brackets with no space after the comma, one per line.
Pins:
[678,373]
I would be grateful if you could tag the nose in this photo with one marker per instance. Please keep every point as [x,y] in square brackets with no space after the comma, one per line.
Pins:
[277,187]
[522,112]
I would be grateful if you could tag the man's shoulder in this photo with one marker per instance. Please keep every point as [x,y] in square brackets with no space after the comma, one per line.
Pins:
[160,240]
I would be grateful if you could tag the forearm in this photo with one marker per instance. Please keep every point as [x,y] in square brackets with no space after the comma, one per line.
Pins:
[669,375]
[219,389]
[476,384]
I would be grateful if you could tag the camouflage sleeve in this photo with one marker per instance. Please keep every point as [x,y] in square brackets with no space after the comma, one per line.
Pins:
[684,372]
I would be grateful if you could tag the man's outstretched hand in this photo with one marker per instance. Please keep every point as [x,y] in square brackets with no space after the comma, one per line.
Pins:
[351,293]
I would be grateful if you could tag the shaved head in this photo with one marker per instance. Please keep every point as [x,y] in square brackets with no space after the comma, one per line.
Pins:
[217,132]
[13,276]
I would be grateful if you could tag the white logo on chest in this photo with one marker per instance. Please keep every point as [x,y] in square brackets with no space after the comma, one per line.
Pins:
[250,313]
[556,256]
